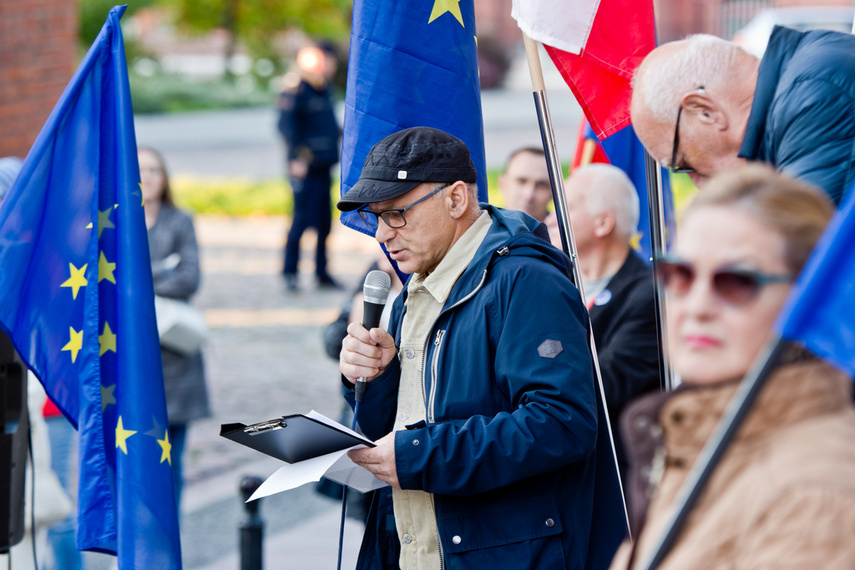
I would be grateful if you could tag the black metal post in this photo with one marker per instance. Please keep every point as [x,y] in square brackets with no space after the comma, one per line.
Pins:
[252,527]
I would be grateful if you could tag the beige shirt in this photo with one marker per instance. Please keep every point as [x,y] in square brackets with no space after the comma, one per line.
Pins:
[414,510]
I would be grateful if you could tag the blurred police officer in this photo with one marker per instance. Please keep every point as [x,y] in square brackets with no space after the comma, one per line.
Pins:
[308,124]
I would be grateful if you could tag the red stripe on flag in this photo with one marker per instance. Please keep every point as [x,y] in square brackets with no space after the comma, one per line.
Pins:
[623,33]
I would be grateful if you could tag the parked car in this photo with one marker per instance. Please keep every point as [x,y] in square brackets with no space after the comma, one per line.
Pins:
[755,35]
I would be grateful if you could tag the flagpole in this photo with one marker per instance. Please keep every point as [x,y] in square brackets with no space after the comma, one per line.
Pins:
[712,452]
[658,245]
[568,243]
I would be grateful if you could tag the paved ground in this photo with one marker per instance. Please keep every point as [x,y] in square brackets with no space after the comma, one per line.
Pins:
[265,360]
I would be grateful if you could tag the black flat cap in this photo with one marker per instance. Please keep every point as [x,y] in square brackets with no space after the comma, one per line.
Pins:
[405,159]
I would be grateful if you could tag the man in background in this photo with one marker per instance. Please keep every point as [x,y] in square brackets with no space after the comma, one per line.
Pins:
[308,124]
[525,183]
[603,206]
[703,104]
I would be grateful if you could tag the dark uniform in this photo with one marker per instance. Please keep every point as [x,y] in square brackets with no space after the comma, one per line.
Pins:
[308,123]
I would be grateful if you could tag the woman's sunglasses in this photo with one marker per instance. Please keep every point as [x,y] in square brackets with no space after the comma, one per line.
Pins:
[733,286]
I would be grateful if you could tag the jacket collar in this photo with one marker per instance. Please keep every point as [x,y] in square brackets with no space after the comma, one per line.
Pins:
[511,234]
[793,394]
[782,44]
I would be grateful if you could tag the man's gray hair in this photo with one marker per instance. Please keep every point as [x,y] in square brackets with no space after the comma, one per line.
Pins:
[612,191]
[660,82]
[471,188]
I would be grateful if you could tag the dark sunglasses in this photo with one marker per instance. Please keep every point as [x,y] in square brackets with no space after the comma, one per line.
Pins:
[731,285]
[394,218]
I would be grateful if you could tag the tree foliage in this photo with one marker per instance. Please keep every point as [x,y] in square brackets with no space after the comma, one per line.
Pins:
[256,22]
[93,14]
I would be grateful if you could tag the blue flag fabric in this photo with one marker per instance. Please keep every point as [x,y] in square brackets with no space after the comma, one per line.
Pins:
[411,64]
[624,150]
[75,277]
[820,311]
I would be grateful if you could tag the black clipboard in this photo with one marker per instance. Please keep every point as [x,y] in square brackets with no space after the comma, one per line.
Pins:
[292,438]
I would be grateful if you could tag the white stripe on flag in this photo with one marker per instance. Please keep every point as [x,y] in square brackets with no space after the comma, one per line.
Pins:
[562,24]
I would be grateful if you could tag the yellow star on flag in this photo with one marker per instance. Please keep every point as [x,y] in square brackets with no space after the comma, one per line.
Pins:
[440,7]
[104,221]
[635,241]
[77,279]
[107,396]
[107,340]
[105,269]
[167,448]
[122,436]
[75,344]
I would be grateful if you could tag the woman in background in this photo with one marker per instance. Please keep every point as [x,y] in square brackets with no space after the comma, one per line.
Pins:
[175,272]
[783,495]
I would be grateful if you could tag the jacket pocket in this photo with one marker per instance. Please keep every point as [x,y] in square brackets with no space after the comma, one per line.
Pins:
[502,523]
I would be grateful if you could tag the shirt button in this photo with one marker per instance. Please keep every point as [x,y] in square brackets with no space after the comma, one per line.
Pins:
[550,523]
[411,353]
[408,539]
[456,539]
[415,442]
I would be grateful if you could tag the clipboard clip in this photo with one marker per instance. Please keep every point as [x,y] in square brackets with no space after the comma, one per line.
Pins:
[262,427]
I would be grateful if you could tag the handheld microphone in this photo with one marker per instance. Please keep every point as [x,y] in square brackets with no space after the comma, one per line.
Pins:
[375,291]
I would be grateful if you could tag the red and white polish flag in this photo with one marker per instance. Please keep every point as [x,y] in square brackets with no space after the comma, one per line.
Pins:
[596,45]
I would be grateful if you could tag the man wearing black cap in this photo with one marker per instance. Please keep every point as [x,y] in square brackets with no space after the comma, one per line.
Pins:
[481,395]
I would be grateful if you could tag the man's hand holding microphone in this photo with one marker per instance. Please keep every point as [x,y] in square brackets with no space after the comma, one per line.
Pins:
[365,353]
[368,349]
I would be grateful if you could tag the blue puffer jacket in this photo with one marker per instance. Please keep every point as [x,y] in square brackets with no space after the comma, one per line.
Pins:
[509,449]
[802,118]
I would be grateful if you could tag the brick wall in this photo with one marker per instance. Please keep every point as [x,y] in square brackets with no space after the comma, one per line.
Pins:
[38,55]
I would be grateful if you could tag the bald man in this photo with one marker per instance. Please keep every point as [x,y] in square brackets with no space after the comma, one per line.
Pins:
[703,104]
[603,207]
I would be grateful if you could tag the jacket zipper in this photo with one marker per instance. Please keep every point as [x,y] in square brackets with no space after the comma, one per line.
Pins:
[434,369]
[429,403]
[430,414]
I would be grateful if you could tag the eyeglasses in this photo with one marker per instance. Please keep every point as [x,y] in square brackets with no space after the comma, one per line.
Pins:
[731,285]
[674,167]
[394,218]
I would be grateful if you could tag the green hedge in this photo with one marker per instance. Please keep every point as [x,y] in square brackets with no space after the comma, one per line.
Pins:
[164,93]
[241,197]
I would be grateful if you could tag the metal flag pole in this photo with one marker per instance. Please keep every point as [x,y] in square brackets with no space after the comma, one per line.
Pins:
[568,243]
[712,452]
[658,245]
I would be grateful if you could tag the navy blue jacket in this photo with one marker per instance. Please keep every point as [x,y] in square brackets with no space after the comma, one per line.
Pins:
[307,123]
[802,118]
[509,449]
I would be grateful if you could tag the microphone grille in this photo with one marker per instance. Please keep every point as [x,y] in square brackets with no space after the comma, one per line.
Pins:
[376,287]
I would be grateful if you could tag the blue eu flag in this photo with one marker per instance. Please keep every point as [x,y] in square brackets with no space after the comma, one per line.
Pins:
[820,311]
[411,64]
[78,303]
